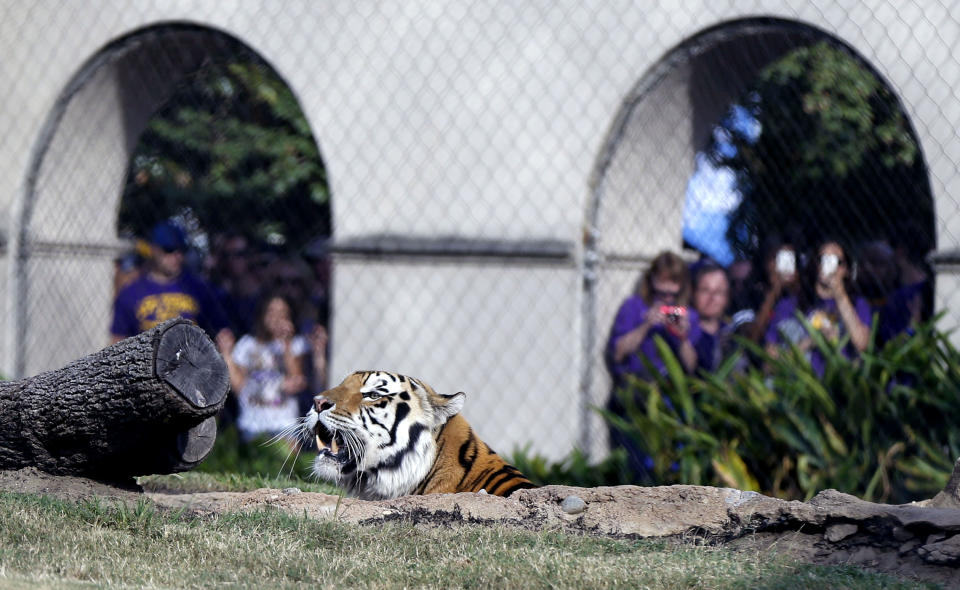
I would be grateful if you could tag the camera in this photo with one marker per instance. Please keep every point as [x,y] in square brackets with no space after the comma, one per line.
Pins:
[673,313]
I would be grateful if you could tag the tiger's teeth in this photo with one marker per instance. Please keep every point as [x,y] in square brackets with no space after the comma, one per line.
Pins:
[320,445]
[333,446]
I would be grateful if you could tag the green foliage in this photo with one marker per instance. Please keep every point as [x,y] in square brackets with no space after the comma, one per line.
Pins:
[835,153]
[574,470]
[233,147]
[256,458]
[880,426]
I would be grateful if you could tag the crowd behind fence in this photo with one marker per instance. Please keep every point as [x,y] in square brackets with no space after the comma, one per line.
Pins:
[806,213]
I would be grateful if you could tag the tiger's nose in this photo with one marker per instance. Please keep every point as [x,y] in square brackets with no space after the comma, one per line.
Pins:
[321,403]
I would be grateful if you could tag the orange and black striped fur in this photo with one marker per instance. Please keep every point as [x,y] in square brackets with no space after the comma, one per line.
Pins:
[381,435]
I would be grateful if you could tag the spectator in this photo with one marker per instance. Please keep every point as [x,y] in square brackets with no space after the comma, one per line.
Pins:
[267,370]
[128,265]
[239,287]
[780,260]
[711,294]
[877,281]
[916,279]
[287,277]
[828,302]
[166,290]
[657,309]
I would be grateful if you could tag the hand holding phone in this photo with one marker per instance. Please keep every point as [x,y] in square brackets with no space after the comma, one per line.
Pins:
[786,263]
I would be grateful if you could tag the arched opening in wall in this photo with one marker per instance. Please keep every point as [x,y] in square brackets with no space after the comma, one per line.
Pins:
[750,131]
[815,149]
[184,125]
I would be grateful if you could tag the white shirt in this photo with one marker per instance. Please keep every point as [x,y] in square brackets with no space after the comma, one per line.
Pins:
[264,408]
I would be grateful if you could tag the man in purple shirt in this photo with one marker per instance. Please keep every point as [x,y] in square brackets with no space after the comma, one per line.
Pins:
[165,290]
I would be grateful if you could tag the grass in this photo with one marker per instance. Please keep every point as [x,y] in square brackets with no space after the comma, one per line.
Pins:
[46,542]
[194,481]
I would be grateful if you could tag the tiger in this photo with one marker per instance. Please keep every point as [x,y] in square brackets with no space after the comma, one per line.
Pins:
[381,435]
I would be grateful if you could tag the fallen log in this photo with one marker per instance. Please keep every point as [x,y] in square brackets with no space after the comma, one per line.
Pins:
[144,405]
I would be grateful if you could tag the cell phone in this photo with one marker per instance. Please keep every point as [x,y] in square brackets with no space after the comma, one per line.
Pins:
[786,262]
[829,264]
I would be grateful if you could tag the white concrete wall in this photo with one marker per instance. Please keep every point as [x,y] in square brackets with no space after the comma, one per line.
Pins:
[505,335]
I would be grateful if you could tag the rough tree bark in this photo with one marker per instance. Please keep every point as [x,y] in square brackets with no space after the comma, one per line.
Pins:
[145,405]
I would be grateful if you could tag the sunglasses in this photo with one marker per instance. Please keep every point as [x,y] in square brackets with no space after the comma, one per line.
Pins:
[171,249]
[665,294]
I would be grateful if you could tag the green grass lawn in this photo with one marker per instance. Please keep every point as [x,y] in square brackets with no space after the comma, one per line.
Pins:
[50,543]
[46,542]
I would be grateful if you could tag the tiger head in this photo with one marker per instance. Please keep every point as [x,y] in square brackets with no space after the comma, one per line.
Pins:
[375,432]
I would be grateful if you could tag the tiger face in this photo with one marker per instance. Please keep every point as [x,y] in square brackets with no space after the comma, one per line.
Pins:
[376,433]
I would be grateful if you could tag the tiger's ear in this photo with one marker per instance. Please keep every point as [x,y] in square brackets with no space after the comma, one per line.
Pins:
[446,406]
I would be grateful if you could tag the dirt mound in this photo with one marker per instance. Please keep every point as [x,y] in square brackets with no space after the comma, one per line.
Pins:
[920,540]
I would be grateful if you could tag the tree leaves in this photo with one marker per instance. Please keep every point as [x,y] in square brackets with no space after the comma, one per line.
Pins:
[835,153]
[234,147]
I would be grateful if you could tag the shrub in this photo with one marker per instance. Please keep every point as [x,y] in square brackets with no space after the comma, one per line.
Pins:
[880,426]
[574,470]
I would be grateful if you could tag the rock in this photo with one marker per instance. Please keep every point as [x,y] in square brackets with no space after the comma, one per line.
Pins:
[901,534]
[573,505]
[838,532]
[950,496]
[290,491]
[945,552]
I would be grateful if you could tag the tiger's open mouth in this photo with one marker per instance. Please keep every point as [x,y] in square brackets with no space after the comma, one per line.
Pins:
[330,443]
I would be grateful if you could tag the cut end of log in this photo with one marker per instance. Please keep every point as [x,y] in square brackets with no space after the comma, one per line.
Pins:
[195,444]
[189,362]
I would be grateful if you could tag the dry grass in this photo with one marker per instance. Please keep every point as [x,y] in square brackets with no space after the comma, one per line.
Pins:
[51,543]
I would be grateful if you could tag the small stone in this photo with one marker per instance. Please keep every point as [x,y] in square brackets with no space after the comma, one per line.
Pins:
[274,497]
[291,491]
[573,505]
[839,532]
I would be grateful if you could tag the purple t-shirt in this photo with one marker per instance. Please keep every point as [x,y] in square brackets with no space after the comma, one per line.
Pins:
[786,328]
[144,303]
[895,311]
[631,314]
[710,347]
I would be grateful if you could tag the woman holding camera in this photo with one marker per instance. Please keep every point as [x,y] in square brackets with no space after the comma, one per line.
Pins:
[658,308]
[827,301]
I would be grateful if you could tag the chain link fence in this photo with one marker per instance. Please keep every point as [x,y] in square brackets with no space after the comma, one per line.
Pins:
[468,192]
